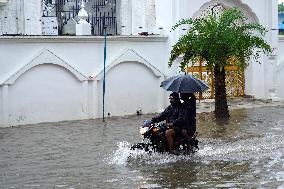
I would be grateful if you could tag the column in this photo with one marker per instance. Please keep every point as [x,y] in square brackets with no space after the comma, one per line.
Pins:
[162,16]
[9,15]
[1,20]
[1,108]
[32,16]
[161,96]
[271,73]
[96,99]
[93,99]
[272,8]
[138,16]
[150,16]
[21,17]
[125,17]
[85,109]
[4,106]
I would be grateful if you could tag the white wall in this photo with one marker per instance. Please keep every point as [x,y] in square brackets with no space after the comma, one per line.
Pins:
[45,80]
[130,86]
[45,93]
[85,55]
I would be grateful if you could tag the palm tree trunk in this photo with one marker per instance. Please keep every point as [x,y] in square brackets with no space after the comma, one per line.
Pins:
[221,106]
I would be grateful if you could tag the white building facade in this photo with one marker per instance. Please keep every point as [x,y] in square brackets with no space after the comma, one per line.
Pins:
[57,78]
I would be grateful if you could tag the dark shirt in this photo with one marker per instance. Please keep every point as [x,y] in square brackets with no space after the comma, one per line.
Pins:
[190,105]
[172,114]
[190,120]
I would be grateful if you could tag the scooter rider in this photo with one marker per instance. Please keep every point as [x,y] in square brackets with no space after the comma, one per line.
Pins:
[189,128]
[174,116]
[189,103]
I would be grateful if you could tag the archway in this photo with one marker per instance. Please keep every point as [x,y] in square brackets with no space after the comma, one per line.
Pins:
[238,82]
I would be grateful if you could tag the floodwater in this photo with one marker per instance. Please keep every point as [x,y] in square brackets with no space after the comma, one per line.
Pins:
[246,152]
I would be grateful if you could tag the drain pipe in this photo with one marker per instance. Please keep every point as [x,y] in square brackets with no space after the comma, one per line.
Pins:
[104,80]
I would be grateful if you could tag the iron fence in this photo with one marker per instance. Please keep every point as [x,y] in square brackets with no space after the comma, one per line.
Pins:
[101,13]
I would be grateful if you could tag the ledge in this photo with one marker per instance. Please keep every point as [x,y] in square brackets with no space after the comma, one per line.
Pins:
[79,39]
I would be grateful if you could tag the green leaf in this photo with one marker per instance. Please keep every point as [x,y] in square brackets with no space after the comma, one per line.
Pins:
[217,38]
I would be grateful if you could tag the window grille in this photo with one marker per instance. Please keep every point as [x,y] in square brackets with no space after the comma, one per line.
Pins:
[101,13]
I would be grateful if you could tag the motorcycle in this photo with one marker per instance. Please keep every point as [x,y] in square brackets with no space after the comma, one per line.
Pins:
[154,140]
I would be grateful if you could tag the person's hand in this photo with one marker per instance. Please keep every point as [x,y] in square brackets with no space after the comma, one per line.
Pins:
[146,123]
[169,125]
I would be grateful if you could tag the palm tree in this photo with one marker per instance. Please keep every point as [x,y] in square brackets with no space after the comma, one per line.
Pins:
[280,8]
[216,39]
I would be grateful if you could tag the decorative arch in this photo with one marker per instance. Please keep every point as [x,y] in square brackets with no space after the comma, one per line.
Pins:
[45,56]
[129,55]
[248,12]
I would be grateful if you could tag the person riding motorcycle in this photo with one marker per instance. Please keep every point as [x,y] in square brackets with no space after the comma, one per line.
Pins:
[174,115]
[189,104]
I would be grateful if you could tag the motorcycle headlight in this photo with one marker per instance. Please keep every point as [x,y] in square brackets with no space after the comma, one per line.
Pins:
[143,130]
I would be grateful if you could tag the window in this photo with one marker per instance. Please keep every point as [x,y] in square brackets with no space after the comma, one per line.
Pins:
[61,16]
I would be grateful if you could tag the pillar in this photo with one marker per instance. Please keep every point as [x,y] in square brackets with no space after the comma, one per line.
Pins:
[8,17]
[85,108]
[32,16]
[4,109]
[93,99]
[150,16]
[125,17]
[138,16]
[270,72]
[161,96]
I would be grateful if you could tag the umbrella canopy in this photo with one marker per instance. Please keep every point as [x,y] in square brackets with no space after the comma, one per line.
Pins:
[184,84]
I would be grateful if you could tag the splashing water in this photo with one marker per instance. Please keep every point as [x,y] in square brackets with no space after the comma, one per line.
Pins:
[240,150]
[124,156]
[119,156]
[210,150]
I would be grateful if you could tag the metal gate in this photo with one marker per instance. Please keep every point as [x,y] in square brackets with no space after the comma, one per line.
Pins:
[101,13]
[235,80]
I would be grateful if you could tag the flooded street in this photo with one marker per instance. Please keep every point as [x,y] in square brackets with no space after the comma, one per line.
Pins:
[246,152]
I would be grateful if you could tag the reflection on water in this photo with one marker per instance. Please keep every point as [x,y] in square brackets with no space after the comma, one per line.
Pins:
[246,152]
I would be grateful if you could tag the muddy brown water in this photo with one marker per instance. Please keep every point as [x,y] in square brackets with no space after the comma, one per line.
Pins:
[246,152]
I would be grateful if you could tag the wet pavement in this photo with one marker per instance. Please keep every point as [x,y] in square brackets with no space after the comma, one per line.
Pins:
[207,105]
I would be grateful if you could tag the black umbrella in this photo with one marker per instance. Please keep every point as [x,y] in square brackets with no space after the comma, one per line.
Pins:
[184,84]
